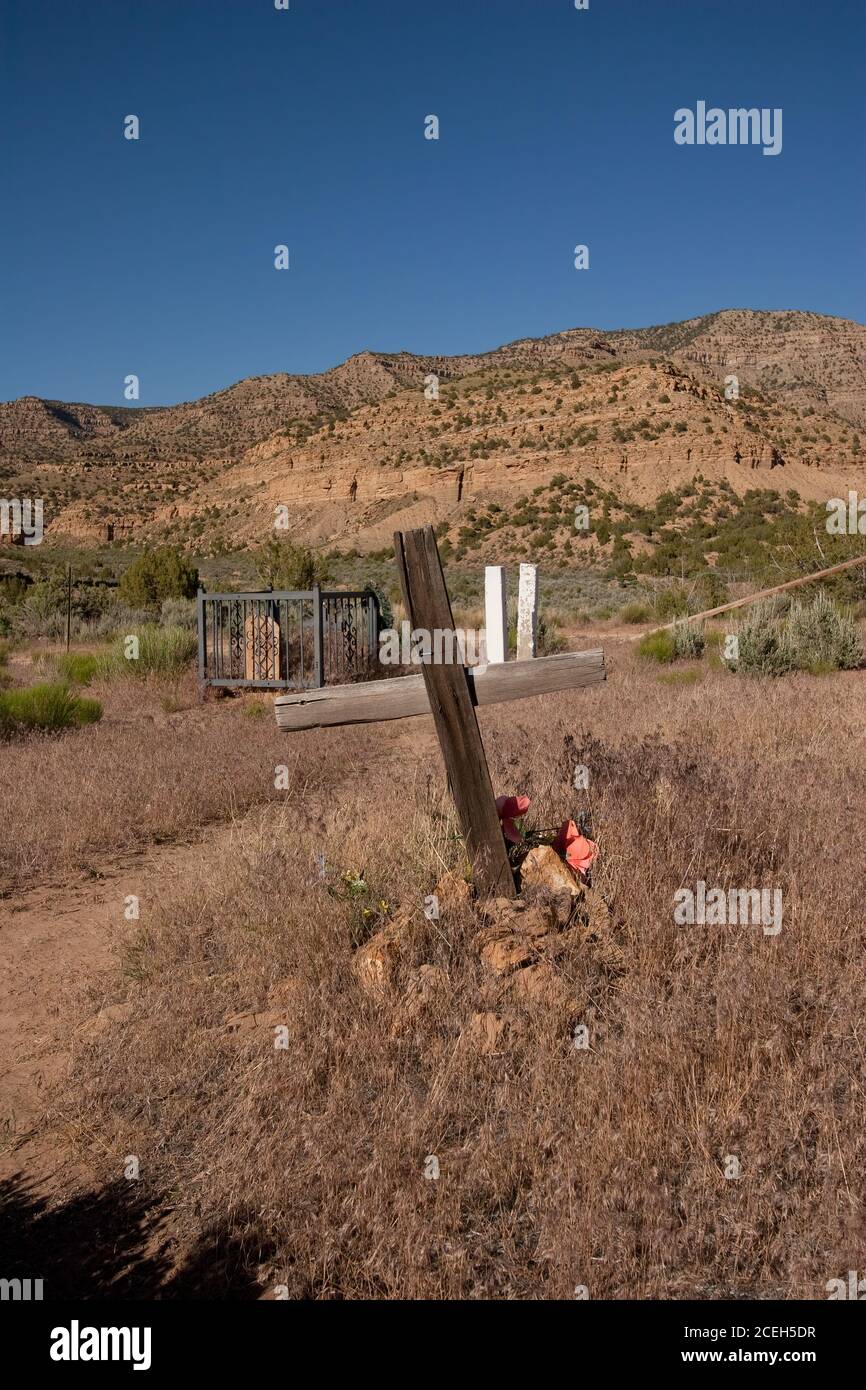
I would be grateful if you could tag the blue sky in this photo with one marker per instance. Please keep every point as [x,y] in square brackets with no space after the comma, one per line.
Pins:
[306,127]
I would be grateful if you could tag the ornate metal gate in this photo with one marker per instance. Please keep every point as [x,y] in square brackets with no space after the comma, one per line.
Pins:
[281,640]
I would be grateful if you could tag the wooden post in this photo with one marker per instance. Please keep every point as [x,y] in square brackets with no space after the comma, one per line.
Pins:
[495,614]
[68,605]
[527,613]
[428,607]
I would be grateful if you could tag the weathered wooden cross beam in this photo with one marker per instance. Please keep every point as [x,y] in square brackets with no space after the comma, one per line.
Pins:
[449,691]
[376,701]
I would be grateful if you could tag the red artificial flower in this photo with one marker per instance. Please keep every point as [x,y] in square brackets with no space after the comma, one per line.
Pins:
[578,850]
[508,808]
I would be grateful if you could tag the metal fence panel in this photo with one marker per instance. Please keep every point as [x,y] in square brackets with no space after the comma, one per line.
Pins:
[287,640]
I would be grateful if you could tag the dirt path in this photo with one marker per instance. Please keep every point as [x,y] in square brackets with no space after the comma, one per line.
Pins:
[56,941]
[66,936]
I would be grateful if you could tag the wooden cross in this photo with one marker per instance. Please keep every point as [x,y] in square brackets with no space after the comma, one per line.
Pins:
[450,692]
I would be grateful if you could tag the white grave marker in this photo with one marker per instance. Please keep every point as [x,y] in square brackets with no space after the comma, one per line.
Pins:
[527,613]
[495,613]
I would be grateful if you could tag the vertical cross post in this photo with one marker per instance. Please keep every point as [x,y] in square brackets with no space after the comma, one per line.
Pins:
[495,614]
[428,608]
[527,613]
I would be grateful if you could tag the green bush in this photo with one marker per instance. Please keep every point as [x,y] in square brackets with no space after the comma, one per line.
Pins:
[761,648]
[658,646]
[46,707]
[548,638]
[386,611]
[40,612]
[162,651]
[636,613]
[672,602]
[157,575]
[689,641]
[283,565]
[179,612]
[820,636]
[76,668]
[710,591]
[813,636]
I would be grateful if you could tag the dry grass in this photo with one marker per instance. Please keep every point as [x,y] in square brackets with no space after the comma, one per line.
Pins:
[158,767]
[558,1167]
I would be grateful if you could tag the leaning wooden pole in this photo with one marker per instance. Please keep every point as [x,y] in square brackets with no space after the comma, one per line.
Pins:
[763,593]
[428,607]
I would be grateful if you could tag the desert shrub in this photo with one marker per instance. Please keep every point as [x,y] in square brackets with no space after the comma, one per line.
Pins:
[116,618]
[76,668]
[548,638]
[386,611]
[671,602]
[820,636]
[815,636]
[283,565]
[710,591]
[658,646]
[636,613]
[689,641]
[761,648]
[162,651]
[685,642]
[13,588]
[49,707]
[178,612]
[157,575]
[41,612]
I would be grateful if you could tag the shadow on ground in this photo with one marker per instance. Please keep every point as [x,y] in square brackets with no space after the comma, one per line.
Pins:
[113,1244]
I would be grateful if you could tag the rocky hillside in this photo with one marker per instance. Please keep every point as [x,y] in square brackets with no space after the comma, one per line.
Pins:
[360,449]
